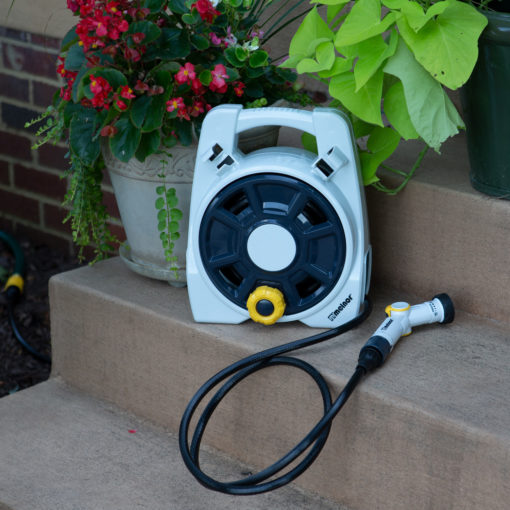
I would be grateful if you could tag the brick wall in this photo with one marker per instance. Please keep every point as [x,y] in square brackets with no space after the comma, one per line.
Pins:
[31,187]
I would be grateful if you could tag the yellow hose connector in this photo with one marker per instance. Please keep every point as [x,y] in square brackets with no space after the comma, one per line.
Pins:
[266,305]
[15,280]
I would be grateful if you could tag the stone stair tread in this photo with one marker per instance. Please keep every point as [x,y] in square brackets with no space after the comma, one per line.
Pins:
[62,449]
[456,372]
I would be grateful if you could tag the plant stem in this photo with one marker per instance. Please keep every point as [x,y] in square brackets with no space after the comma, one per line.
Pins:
[271,34]
[401,186]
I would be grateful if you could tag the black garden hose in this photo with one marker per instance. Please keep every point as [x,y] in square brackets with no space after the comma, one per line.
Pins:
[13,290]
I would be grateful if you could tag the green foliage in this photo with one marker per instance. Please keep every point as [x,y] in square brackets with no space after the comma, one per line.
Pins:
[168,218]
[393,57]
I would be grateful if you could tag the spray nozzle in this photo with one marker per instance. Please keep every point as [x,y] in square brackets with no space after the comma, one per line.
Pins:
[402,317]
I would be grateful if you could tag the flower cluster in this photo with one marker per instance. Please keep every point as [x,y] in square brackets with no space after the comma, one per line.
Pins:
[142,74]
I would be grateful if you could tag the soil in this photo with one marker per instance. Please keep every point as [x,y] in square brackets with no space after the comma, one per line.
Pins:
[18,368]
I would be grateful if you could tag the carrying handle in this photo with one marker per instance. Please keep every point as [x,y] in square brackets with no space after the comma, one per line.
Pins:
[289,117]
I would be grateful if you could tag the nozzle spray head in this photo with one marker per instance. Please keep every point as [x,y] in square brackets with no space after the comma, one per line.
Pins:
[402,317]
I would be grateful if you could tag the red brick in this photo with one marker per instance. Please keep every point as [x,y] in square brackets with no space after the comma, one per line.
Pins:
[4,172]
[17,35]
[15,117]
[13,87]
[45,41]
[53,157]
[15,145]
[30,60]
[110,202]
[118,232]
[54,218]
[43,93]
[39,182]
[20,206]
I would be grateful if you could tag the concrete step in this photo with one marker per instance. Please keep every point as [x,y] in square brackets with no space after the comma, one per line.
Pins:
[439,231]
[431,429]
[61,449]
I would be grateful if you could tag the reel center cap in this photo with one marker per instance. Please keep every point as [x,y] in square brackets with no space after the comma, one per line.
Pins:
[271,247]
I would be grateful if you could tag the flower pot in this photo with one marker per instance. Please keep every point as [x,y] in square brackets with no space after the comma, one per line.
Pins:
[486,106]
[134,184]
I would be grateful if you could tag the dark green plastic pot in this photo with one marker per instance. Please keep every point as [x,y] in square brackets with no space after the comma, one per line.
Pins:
[486,105]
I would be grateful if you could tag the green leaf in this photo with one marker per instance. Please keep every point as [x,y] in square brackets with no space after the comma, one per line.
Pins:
[363,22]
[309,142]
[432,113]
[447,45]
[200,42]
[124,144]
[313,27]
[160,190]
[157,108]
[230,55]
[139,108]
[372,54]
[79,83]
[334,9]
[325,58]
[154,5]
[205,77]
[241,54]
[69,39]
[162,214]
[178,6]
[184,132]
[82,128]
[395,108]
[381,144]
[160,203]
[151,30]
[176,214]
[149,144]
[258,58]
[75,58]
[173,226]
[341,65]
[364,103]
[173,43]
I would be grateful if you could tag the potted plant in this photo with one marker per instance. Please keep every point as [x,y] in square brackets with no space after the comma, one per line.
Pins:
[139,77]
[387,64]
[486,105]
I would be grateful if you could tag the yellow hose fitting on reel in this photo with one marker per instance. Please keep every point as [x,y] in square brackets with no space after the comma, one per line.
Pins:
[266,305]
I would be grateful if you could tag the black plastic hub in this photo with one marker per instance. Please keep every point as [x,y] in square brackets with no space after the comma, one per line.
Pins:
[259,199]
[265,307]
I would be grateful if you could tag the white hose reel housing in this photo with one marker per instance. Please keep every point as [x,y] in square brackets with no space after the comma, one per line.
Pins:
[282,225]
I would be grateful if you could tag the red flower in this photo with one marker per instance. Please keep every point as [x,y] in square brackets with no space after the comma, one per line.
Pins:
[206,10]
[185,74]
[197,108]
[218,83]
[121,105]
[239,87]
[141,86]
[101,89]
[138,37]
[132,54]
[197,87]
[126,92]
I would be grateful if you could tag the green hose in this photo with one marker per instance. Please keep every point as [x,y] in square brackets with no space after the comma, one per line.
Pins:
[13,290]
[19,265]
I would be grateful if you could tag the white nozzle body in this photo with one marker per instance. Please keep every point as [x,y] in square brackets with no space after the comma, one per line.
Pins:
[402,317]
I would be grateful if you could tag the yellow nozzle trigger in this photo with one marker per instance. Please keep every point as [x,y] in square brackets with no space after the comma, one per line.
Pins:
[274,296]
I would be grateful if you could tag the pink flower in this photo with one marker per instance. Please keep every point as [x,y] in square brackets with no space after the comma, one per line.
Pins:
[218,83]
[197,87]
[138,37]
[185,74]
[215,39]
[176,103]
[141,86]
[121,105]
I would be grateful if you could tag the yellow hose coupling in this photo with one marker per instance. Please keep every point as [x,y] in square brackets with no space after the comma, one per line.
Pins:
[266,305]
[15,280]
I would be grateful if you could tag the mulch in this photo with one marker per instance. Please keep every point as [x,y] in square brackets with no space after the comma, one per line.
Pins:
[18,368]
